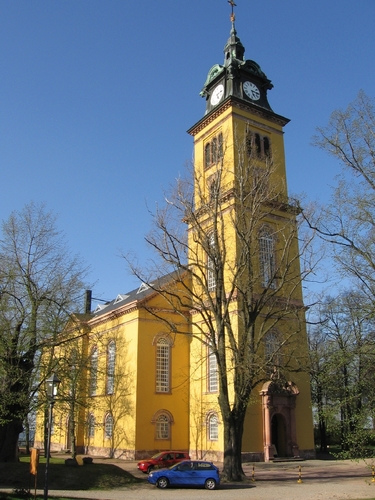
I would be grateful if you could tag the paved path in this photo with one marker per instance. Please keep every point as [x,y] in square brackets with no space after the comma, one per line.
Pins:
[321,480]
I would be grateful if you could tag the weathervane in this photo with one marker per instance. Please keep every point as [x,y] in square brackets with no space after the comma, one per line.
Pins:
[232,16]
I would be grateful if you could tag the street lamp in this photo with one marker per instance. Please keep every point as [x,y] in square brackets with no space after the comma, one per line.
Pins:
[52,385]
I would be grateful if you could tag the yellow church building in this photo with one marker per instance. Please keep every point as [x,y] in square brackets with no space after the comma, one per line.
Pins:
[149,370]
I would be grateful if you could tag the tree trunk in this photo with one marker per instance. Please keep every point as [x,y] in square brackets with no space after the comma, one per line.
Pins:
[9,434]
[27,437]
[322,421]
[233,431]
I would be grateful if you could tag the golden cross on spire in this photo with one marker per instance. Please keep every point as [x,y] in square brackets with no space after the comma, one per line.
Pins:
[232,16]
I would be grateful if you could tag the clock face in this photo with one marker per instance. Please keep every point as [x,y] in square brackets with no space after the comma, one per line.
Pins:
[251,90]
[217,94]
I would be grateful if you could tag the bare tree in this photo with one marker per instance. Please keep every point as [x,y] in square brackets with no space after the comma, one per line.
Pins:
[40,285]
[349,220]
[71,362]
[237,276]
[119,386]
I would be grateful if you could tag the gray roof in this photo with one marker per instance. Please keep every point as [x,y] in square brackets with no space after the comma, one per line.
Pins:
[136,295]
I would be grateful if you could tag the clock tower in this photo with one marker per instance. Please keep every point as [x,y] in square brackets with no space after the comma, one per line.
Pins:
[237,77]
[242,211]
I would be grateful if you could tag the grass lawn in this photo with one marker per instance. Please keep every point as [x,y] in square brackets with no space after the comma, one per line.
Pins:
[61,477]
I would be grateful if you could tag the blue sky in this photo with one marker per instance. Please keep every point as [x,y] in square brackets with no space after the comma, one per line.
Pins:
[96,97]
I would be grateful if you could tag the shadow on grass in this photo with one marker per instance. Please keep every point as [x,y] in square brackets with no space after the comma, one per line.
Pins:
[61,477]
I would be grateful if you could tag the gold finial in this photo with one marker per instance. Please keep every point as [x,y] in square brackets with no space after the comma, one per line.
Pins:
[232,16]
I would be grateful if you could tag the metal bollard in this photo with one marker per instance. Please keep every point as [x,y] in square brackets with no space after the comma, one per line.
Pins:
[299,475]
[253,475]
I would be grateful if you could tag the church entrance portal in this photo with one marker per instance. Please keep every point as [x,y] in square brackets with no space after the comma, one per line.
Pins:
[278,434]
[279,423]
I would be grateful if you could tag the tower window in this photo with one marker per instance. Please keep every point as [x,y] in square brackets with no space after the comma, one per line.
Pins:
[213,151]
[272,349]
[266,146]
[213,187]
[267,258]
[207,155]
[211,280]
[257,145]
[213,385]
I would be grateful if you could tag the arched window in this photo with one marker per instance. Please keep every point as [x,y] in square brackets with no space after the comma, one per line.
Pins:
[213,427]
[91,426]
[266,146]
[111,363]
[272,353]
[220,148]
[162,427]
[213,151]
[211,281]
[93,381]
[162,420]
[108,426]
[258,145]
[249,143]
[213,381]
[214,188]
[207,155]
[163,351]
[267,258]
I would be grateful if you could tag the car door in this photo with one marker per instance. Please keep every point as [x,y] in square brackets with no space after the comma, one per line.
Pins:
[183,474]
[168,459]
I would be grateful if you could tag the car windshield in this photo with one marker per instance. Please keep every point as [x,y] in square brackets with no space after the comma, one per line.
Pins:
[158,455]
[183,466]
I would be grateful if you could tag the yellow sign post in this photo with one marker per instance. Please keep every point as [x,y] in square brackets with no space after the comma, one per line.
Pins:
[34,462]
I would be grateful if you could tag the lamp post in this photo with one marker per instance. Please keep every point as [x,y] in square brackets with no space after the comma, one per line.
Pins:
[52,385]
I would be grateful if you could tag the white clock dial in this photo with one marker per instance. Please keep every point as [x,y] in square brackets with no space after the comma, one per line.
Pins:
[251,91]
[217,94]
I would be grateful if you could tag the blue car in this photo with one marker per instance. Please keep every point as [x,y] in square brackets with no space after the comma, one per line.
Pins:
[187,473]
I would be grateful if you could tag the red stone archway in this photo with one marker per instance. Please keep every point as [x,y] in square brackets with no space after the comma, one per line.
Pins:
[279,422]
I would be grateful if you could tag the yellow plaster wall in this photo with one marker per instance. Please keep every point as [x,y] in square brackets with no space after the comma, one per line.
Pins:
[149,402]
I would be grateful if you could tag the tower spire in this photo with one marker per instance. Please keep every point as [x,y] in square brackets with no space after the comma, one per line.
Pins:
[232,15]
[233,48]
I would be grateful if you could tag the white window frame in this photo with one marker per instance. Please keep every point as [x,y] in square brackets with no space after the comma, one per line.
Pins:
[162,427]
[267,258]
[212,372]
[163,365]
[93,380]
[111,366]
[213,427]
[211,281]
[108,426]
[91,426]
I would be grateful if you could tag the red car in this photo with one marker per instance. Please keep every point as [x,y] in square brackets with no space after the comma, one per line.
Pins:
[162,460]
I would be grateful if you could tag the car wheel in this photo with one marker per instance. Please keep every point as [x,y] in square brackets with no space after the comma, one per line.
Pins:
[210,484]
[162,482]
[149,469]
